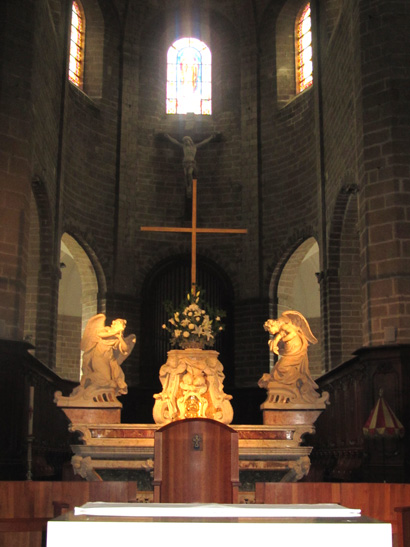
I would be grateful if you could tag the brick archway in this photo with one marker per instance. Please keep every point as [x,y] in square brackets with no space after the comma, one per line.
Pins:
[343,280]
[78,301]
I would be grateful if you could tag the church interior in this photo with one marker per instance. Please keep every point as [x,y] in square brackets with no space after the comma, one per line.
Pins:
[293,119]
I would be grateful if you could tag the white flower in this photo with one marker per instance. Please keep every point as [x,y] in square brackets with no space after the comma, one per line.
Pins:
[192,322]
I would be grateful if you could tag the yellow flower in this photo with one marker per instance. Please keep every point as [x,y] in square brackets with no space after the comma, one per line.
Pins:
[185,334]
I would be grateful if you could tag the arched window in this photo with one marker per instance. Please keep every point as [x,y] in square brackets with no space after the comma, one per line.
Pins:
[303,43]
[77,39]
[189,84]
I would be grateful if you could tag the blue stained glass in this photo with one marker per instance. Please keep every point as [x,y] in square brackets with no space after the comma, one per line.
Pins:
[186,74]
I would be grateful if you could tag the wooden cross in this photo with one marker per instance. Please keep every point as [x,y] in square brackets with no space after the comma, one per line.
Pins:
[194,230]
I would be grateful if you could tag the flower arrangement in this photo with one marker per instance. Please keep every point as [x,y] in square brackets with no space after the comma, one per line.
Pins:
[194,323]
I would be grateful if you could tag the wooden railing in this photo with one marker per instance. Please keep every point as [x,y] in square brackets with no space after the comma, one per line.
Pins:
[376,500]
[36,501]
[26,506]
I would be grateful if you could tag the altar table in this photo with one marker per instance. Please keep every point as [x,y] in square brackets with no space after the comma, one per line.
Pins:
[239,526]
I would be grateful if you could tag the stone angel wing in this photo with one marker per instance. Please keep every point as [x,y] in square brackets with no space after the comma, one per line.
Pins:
[300,322]
[90,337]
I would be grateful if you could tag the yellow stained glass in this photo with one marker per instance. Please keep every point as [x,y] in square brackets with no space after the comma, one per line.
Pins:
[304,65]
[76,64]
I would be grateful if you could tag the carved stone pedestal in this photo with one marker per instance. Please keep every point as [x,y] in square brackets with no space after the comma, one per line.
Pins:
[294,417]
[297,416]
[103,408]
[192,381]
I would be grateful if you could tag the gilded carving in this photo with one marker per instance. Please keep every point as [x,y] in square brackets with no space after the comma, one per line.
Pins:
[192,386]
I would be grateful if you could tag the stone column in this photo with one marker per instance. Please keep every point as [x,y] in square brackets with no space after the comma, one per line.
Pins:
[15,179]
[384,167]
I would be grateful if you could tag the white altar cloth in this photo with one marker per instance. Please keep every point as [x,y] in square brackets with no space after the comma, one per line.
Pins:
[214,510]
[220,530]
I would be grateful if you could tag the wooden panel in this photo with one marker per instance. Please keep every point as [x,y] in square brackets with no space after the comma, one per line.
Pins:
[30,499]
[185,474]
[297,492]
[341,453]
[21,539]
[403,526]
[376,500]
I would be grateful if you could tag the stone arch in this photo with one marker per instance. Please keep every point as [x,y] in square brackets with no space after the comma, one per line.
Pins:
[294,286]
[343,283]
[42,278]
[170,280]
[79,299]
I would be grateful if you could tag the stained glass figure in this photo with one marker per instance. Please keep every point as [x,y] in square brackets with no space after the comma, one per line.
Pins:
[76,61]
[304,66]
[189,77]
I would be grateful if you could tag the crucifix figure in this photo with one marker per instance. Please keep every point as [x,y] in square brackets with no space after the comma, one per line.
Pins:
[189,164]
[194,230]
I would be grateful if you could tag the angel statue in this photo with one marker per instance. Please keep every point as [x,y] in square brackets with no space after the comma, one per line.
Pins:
[105,349]
[290,380]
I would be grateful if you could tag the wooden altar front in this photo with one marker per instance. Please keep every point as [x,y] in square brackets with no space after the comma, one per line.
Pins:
[196,460]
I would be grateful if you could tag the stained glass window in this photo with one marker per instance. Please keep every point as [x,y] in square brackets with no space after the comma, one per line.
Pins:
[189,81]
[304,66]
[76,62]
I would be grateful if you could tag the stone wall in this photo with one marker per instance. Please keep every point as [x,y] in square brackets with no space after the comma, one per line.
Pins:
[68,357]
[330,163]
